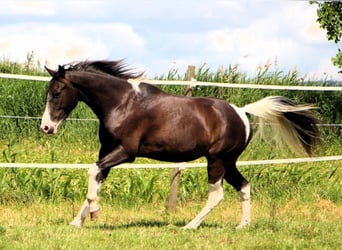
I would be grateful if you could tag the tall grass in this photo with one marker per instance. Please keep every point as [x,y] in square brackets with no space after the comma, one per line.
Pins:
[276,184]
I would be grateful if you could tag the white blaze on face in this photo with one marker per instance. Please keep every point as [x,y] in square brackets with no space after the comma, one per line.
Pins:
[135,84]
[47,125]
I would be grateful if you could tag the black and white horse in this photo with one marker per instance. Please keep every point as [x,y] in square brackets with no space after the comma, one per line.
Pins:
[140,120]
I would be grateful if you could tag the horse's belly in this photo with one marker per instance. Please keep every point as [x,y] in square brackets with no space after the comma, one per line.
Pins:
[161,156]
[170,153]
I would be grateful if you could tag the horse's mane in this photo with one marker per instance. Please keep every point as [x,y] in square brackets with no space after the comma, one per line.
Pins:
[113,68]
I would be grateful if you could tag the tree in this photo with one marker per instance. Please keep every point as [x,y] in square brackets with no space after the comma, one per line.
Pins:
[330,18]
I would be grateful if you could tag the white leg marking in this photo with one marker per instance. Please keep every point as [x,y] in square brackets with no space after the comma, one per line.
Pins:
[82,214]
[90,204]
[93,184]
[135,84]
[93,206]
[245,195]
[242,113]
[215,196]
[93,189]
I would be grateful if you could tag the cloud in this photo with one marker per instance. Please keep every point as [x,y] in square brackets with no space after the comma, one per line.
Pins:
[325,70]
[289,36]
[59,44]
[27,7]
[158,33]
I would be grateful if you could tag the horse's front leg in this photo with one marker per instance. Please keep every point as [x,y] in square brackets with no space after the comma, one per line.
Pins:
[90,204]
[94,185]
[97,174]
[81,216]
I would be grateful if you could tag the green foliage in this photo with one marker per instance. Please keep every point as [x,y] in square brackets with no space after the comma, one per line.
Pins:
[337,60]
[128,187]
[330,18]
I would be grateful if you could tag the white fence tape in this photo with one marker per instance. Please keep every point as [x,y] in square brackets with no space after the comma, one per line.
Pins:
[68,119]
[195,83]
[25,77]
[174,165]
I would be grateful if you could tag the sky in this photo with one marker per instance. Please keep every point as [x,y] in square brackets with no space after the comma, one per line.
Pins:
[156,36]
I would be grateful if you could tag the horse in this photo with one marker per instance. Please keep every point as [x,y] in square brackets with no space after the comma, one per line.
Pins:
[138,119]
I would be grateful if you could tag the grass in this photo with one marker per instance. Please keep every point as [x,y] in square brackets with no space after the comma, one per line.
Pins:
[294,206]
[292,225]
[130,187]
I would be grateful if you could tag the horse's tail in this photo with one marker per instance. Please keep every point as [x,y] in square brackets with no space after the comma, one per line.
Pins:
[296,124]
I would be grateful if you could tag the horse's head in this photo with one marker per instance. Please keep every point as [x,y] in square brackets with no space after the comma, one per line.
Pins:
[61,99]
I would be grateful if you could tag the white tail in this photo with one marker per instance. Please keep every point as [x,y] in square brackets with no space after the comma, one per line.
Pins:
[295,124]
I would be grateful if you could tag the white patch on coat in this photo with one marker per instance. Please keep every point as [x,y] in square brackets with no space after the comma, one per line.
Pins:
[242,113]
[135,84]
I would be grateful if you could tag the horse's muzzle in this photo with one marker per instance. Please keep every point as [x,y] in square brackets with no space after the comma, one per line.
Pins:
[49,130]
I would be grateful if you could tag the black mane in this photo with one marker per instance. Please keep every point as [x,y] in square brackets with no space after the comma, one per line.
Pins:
[113,68]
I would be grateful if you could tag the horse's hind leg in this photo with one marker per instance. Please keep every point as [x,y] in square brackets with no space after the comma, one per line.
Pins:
[241,185]
[215,196]
[215,174]
[245,196]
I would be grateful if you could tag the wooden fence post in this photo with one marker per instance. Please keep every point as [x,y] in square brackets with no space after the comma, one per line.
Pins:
[177,171]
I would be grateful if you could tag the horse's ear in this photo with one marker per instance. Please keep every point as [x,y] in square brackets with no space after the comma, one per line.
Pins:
[51,72]
[61,71]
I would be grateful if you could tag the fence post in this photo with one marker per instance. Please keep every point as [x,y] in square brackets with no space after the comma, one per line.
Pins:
[177,171]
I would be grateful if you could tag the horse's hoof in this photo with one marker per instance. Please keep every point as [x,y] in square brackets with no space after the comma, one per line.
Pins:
[189,227]
[242,225]
[94,214]
[76,223]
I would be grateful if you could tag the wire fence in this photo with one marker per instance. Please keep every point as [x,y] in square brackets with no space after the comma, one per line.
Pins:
[96,120]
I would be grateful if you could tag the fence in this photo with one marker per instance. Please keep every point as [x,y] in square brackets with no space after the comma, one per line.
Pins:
[190,83]
[173,165]
[177,168]
[193,83]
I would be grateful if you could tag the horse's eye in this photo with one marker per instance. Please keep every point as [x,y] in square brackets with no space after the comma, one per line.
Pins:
[55,95]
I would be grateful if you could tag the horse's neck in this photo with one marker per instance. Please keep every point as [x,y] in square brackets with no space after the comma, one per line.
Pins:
[100,93]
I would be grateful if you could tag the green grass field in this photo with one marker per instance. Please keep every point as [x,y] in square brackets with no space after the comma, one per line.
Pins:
[290,224]
[294,206]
